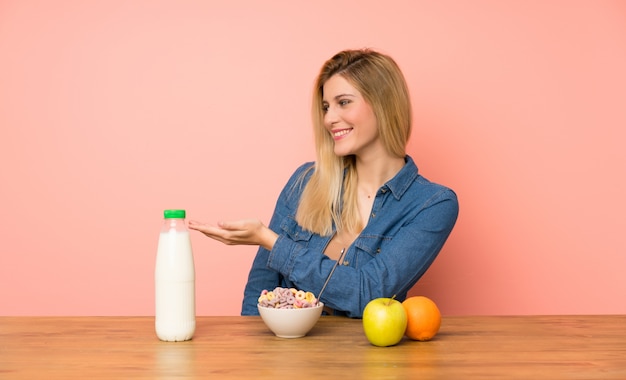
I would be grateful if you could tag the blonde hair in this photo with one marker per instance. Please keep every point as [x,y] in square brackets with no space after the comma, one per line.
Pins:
[379,79]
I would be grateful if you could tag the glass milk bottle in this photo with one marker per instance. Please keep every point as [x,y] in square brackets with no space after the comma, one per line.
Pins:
[174,280]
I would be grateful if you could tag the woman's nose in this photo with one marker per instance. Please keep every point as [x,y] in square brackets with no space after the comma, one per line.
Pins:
[330,117]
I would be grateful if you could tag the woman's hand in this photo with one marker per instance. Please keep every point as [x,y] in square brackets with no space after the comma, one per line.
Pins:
[241,232]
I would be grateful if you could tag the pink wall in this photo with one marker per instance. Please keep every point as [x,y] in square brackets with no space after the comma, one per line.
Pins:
[111,111]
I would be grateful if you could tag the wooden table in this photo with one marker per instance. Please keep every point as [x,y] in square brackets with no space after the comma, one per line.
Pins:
[533,347]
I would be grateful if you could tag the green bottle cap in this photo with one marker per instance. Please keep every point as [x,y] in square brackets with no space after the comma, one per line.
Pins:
[174,214]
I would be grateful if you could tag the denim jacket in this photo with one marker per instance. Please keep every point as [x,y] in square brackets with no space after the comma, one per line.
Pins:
[408,225]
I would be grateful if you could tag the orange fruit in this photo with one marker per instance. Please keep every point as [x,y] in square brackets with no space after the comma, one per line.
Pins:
[423,318]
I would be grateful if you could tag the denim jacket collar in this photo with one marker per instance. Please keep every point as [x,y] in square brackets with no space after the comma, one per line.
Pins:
[399,184]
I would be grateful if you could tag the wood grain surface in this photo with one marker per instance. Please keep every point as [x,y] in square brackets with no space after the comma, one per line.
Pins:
[485,347]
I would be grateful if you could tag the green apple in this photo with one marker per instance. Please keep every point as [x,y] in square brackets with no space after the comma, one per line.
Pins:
[384,321]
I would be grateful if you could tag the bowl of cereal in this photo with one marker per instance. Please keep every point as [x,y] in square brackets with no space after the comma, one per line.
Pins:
[288,312]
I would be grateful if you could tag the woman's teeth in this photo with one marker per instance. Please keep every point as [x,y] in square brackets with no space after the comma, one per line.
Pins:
[343,132]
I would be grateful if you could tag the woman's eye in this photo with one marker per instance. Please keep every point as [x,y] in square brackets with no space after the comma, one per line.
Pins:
[344,102]
[324,108]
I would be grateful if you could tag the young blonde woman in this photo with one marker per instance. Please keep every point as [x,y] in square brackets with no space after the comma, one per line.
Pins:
[363,194]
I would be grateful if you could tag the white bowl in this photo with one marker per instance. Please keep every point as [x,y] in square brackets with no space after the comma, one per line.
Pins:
[290,323]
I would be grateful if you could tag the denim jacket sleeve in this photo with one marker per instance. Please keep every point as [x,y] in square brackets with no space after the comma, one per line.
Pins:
[261,276]
[410,221]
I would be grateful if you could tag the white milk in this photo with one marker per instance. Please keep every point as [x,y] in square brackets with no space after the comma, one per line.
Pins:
[175,317]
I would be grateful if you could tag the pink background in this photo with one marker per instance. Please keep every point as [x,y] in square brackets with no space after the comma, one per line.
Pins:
[112,111]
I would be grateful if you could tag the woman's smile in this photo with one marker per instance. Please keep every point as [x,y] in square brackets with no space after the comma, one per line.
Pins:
[340,133]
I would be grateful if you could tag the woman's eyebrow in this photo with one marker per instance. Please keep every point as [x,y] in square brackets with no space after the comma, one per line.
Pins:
[337,97]
[342,95]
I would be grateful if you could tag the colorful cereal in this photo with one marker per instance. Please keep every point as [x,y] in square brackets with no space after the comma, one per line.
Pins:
[287,298]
